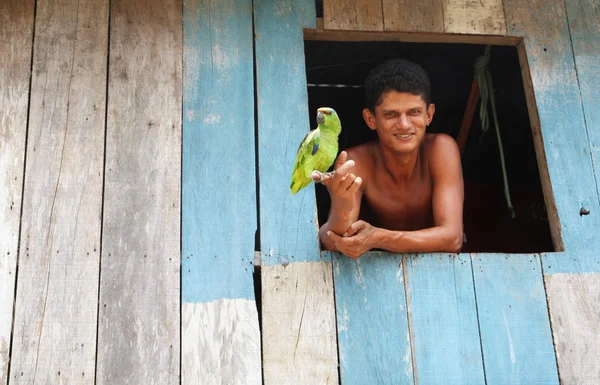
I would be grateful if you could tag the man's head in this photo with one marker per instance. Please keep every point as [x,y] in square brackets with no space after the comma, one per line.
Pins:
[396,75]
[398,105]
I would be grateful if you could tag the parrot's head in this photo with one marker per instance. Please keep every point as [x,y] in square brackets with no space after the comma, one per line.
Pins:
[327,118]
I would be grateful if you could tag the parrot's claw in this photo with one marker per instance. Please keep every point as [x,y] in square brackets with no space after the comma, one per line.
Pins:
[322,175]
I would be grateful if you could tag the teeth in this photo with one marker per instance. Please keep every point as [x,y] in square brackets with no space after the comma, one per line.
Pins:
[403,136]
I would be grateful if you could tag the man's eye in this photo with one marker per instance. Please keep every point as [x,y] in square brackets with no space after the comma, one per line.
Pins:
[415,111]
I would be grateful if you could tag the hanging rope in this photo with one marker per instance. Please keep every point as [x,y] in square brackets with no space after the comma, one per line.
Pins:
[486,91]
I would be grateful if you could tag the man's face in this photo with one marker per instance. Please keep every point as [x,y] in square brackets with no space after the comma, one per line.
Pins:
[400,120]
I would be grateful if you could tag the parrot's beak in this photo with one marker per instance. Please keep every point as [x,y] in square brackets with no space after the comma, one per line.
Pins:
[320,118]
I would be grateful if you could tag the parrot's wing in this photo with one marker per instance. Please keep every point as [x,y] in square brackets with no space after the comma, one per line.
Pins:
[308,148]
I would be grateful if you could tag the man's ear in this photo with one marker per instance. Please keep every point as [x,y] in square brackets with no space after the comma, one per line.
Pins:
[369,118]
[430,112]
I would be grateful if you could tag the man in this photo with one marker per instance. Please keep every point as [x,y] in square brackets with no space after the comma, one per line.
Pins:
[406,188]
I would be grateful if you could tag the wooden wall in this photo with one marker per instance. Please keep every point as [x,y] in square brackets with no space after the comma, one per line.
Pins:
[144,144]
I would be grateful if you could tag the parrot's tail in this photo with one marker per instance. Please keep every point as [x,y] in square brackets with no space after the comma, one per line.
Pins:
[298,185]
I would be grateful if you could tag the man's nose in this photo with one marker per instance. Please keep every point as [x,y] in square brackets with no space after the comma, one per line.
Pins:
[403,121]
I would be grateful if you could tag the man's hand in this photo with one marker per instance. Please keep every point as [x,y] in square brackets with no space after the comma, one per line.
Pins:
[343,185]
[359,239]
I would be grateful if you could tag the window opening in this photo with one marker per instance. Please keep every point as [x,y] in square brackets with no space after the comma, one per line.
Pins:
[335,73]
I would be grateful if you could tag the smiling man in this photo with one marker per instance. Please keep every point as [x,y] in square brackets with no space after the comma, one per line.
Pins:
[403,192]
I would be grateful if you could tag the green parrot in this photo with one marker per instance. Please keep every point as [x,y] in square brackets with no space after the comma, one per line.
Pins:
[318,149]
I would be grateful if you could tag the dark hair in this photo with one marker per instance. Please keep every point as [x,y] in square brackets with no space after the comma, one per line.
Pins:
[396,75]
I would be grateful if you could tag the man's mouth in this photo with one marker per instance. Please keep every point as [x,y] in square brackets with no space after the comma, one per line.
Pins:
[403,136]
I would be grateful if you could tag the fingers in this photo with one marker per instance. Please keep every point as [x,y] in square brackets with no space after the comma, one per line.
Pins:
[341,159]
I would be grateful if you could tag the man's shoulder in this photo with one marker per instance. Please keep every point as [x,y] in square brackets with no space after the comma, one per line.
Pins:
[439,146]
[362,152]
[440,152]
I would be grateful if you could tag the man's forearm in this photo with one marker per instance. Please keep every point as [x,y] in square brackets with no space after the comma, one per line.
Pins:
[338,222]
[434,239]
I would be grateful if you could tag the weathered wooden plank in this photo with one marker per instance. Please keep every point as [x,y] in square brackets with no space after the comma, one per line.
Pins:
[413,16]
[354,15]
[16,31]
[513,319]
[411,37]
[573,301]
[306,11]
[220,328]
[57,289]
[139,319]
[303,350]
[220,343]
[298,324]
[584,26]
[484,17]
[372,317]
[567,151]
[444,319]
[287,223]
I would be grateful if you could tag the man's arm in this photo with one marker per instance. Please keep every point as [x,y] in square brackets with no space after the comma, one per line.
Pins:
[345,192]
[447,202]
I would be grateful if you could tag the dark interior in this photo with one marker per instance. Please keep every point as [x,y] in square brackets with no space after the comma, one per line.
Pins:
[488,224]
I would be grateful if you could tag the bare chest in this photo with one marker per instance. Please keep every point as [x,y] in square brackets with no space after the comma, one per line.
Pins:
[397,207]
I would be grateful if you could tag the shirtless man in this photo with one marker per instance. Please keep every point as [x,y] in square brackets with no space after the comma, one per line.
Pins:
[409,183]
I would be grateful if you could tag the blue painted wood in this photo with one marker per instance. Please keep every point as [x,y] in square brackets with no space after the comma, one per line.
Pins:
[563,129]
[513,319]
[373,336]
[287,223]
[218,183]
[305,9]
[585,36]
[444,319]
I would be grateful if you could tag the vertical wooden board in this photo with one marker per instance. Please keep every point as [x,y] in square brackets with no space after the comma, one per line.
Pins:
[513,319]
[57,289]
[220,328]
[413,16]
[584,25]
[444,319]
[573,302]
[139,319]
[218,179]
[485,17]
[16,31]
[298,324]
[292,353]
[307,13]
[354,15]
[287,223]
[566,148]
[372,318]
[220,343]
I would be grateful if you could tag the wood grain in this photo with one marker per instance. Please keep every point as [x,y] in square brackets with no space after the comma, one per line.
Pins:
[139,319]
[287,223]
[221,340]
[218,152]
[16,32]
[513,319]
[298,324]
[484,17]
[57,288]
[413,16]
[584,26]
[444,319]
[298,311]
[438,37]
[573,303]
[372,319]
[221,343]
[356,15]
[567,152]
